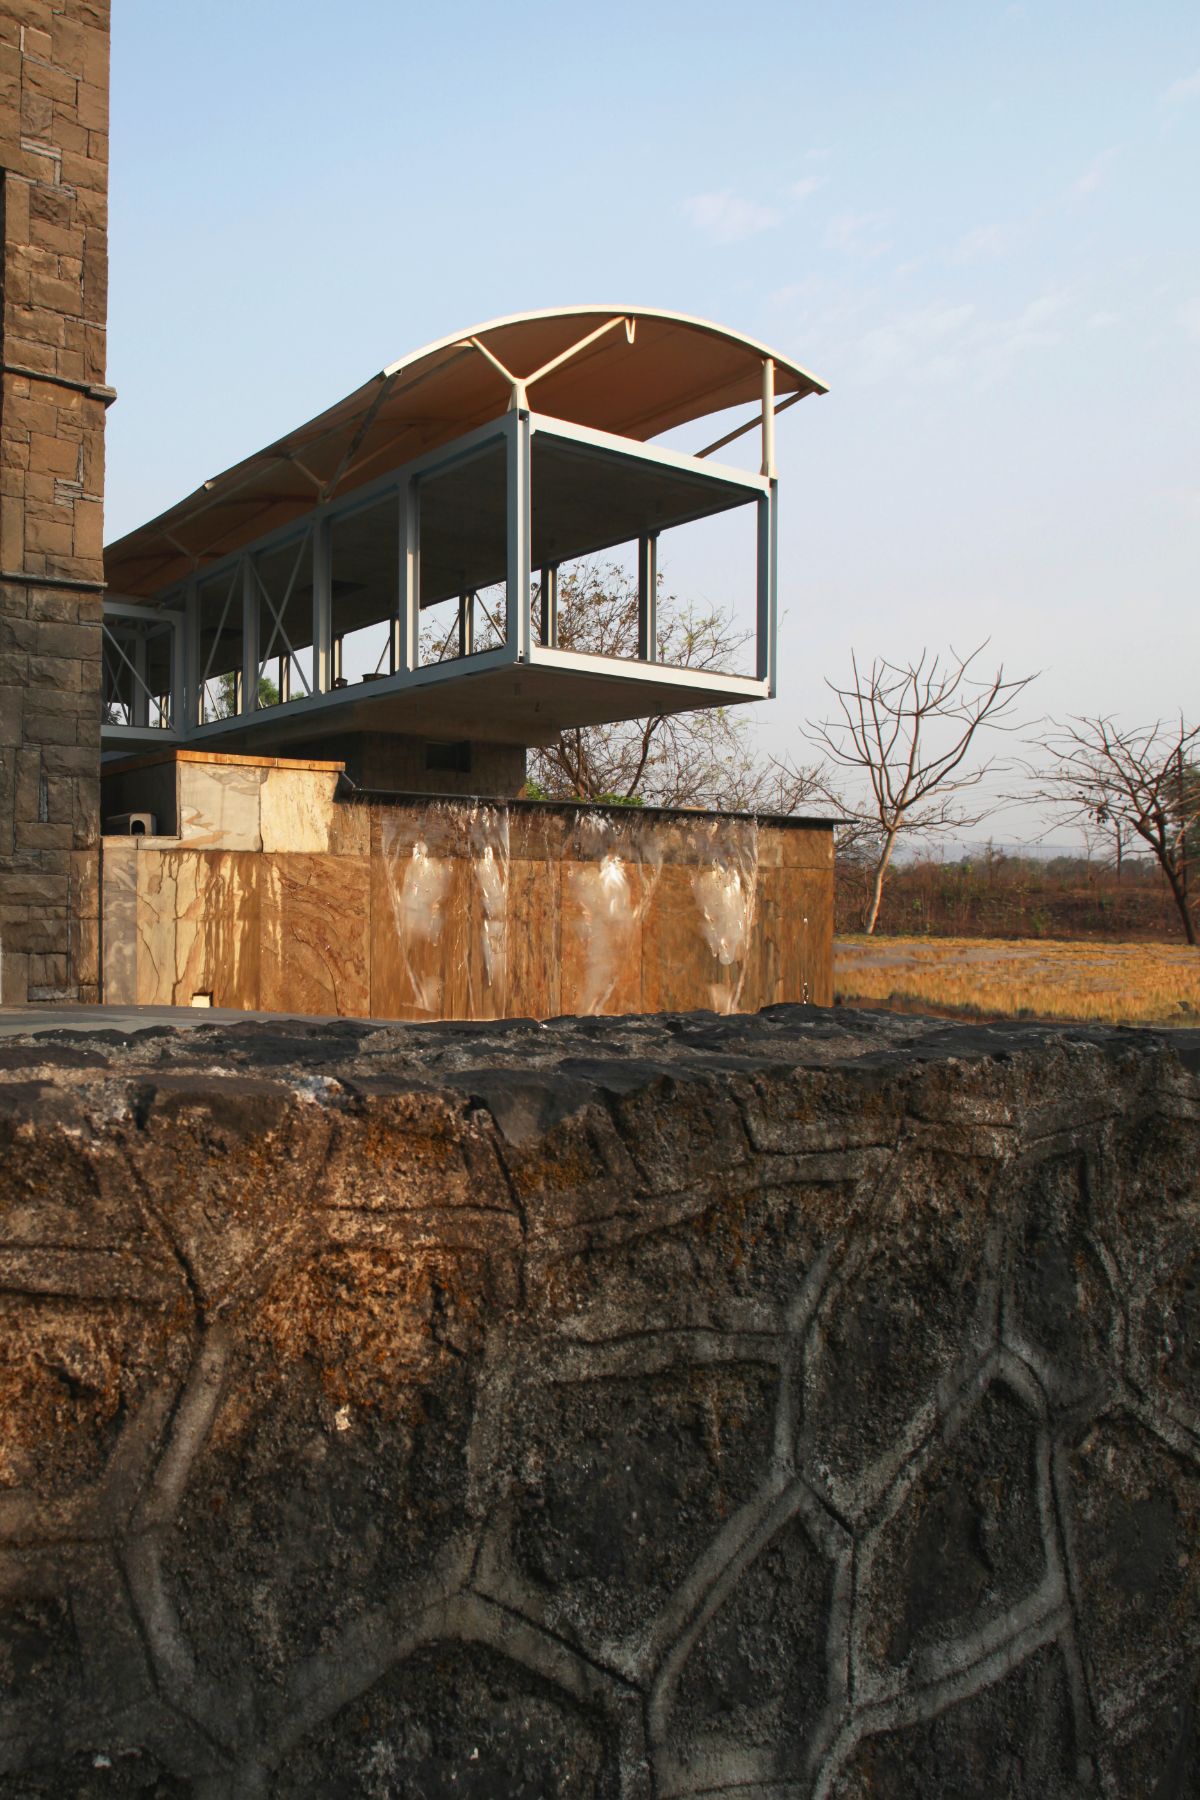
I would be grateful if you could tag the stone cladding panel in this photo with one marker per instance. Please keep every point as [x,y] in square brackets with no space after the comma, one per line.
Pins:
[54,182]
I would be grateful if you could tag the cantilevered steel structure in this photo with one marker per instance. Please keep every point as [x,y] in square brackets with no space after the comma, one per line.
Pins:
[465,474]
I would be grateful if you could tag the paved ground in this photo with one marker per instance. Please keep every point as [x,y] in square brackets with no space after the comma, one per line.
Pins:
[20,1021]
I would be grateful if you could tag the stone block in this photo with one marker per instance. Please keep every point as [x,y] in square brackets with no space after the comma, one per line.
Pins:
[37,112]
[57,672]
[43,726]
[34,886]
[11,708]
[42,933]
[92,106]
[88,528]
[29,795]
[56,454]
[81,640]
[55,295]
[87,173]
[69,44]
[54,606]
[48,969]
[48,537]
[69,759]
[297,810]
[37,44]
[94,65]
[14,976]
[51,699]
[84,889]
[12,532]
[42,835]
[219,805]
[84,941]
[118,868]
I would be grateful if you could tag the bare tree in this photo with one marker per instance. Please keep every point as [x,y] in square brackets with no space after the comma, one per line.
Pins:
[909,729]
[1141,782]
[702,758]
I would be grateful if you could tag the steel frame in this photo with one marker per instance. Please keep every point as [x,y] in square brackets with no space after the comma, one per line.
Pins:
[142,696]
[515,430]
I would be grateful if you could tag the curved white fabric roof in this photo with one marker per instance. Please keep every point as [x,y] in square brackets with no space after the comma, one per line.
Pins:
[634,371]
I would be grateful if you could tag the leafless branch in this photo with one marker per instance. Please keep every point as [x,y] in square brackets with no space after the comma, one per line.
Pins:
[908,731]
[702,758]
[1141,781]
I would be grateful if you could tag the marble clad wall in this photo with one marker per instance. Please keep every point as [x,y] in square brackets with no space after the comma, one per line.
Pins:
[275,896]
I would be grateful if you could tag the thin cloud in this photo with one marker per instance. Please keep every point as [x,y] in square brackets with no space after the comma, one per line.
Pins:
[729,218]
[945,343]
[857,234]
[1180,92]
[800,190]
[1102,321]
[984,242]
[1189,317]
[1095,172]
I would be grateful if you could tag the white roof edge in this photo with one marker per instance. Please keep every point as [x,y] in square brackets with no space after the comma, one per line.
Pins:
[690,320]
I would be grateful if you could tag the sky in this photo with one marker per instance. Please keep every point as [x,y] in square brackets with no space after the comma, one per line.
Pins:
[979,224]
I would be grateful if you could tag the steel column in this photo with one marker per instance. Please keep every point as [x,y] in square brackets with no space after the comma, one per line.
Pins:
[549,608]
[648,598]
[322,624]
[768,559]
[519,623]
[466,624]
[248,699]
[406,626]
[139,698]
[191,695]
[177,717]
[768,419]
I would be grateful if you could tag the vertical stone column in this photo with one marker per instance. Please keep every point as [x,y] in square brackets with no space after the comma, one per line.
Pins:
[54,158]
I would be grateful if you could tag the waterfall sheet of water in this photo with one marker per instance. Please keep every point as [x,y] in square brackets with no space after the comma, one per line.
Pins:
[447,879]
[725,889]
[616,868]
[447,871]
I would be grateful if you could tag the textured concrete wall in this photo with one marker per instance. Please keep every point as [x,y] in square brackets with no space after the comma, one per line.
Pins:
[397,765]
[54,178]
[798,1406]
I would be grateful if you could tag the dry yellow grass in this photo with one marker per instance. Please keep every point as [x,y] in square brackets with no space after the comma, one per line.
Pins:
[1121,984]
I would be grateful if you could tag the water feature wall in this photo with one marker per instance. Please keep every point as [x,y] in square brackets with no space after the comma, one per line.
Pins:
[273,893]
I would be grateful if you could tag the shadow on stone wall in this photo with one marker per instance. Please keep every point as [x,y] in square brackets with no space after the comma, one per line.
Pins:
[801,1405]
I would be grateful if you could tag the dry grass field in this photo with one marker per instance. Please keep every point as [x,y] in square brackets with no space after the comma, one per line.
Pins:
[1121,984]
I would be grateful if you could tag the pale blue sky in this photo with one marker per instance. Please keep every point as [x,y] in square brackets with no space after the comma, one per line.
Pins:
[979,224]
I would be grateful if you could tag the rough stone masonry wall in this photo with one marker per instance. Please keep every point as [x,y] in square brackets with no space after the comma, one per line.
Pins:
[54,179]
[793,1406]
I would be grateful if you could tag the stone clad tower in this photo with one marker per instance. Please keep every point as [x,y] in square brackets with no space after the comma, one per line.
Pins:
[54,163]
